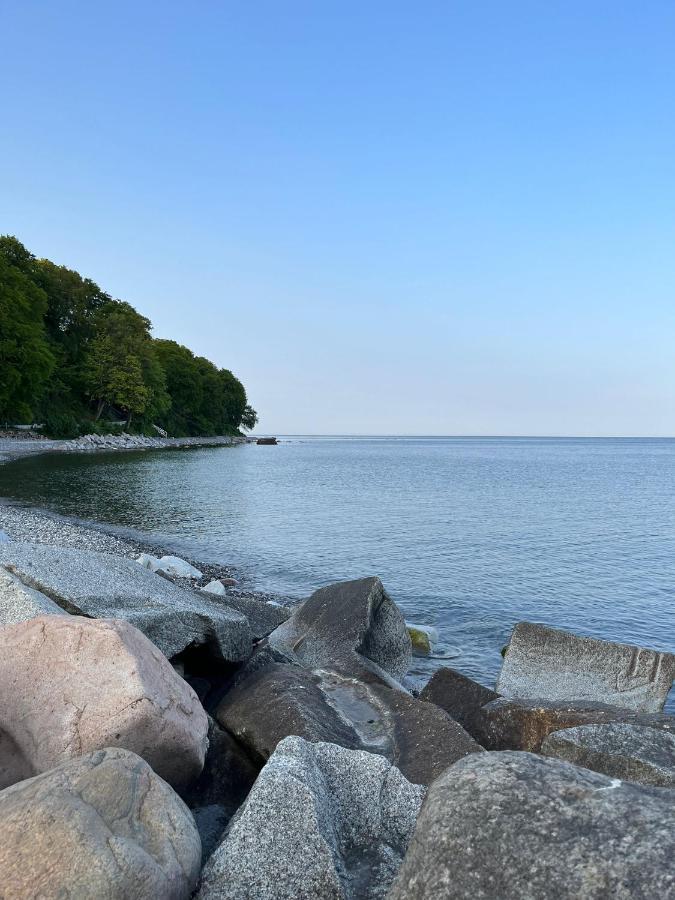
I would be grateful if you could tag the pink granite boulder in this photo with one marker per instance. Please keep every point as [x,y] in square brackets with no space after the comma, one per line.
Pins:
[71,685]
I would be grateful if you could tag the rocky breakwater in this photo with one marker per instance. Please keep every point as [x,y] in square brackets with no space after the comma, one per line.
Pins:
[157,741]
[126,441]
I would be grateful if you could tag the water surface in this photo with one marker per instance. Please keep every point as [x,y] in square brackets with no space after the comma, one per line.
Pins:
[468,534]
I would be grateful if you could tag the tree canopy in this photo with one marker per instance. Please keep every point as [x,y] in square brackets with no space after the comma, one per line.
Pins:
[70,354]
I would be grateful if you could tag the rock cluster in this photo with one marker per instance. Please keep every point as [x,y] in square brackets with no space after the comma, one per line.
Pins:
[126,441]
[158,740]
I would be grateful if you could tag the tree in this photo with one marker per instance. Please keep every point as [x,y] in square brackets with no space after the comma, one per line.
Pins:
[249,418]
[25,359]
[118,361]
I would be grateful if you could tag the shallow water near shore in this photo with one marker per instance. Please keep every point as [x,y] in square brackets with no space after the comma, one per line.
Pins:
[468,534]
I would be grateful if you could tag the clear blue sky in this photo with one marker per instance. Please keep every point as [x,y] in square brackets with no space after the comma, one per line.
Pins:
[385,217]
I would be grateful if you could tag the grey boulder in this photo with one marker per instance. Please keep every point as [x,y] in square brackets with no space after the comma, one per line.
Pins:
[346,626]
[99,585]
[101,826]
[629,752]
[19,603]
[515,826]
[278,700]
[548,664]
[321,823]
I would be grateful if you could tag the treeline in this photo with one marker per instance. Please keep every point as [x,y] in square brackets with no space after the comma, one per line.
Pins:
[74,358]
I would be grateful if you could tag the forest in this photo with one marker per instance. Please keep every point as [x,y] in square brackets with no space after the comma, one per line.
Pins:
[75,360]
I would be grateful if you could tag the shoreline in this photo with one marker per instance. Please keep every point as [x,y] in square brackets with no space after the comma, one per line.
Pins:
[28,523]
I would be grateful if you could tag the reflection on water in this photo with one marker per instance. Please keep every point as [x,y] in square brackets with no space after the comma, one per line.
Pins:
[469,535]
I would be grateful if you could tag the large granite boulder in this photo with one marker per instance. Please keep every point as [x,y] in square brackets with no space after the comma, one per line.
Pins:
[514,826]
[523,724]
[18,603]
[461,698]
[100,585]
[71,685]
[345,626]
[630,752]
[104,826]
[547,664]
[321,822]
[278,700]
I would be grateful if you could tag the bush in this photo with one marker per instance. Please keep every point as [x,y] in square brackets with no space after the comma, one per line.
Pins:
[64,426]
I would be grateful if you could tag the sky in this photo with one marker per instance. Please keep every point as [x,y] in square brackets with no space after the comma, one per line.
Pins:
[384,217]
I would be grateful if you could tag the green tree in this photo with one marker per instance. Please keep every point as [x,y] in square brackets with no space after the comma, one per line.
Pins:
[25,359]
[120,369]
[249,418]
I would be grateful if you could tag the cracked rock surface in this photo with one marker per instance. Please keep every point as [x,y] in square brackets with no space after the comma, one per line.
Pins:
[321,823]
[71,685]
[516,826]
[104,826]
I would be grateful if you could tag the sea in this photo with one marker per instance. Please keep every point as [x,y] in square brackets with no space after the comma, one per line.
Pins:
[469,535]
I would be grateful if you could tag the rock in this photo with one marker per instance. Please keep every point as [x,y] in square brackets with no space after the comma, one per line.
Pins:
[461,698]
[215,587]
[85,582]
[515,826]
[278,700]
[104,826]
[422,638]
[148,562]
[263,618]
[19,603]
[547,664]
[321,822]
[523,724]
[176,567]
[630,752]
[229,582]
[72,685]
[345,625]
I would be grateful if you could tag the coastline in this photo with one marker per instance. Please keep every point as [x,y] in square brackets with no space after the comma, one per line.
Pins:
[28,523]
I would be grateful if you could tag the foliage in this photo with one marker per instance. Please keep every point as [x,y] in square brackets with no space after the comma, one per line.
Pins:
[69,353]
[26,361]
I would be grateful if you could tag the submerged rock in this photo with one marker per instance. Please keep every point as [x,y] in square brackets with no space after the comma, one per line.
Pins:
[523,724]
[548,664]
[630,752]
[85,582]
[514,826]
[103,826]
[278,700]
[321,822]
[422,638]
[461,697]
[19,603]
[346,626]
[72,685]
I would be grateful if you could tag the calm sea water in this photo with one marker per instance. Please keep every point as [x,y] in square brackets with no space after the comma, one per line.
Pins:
[468,534]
